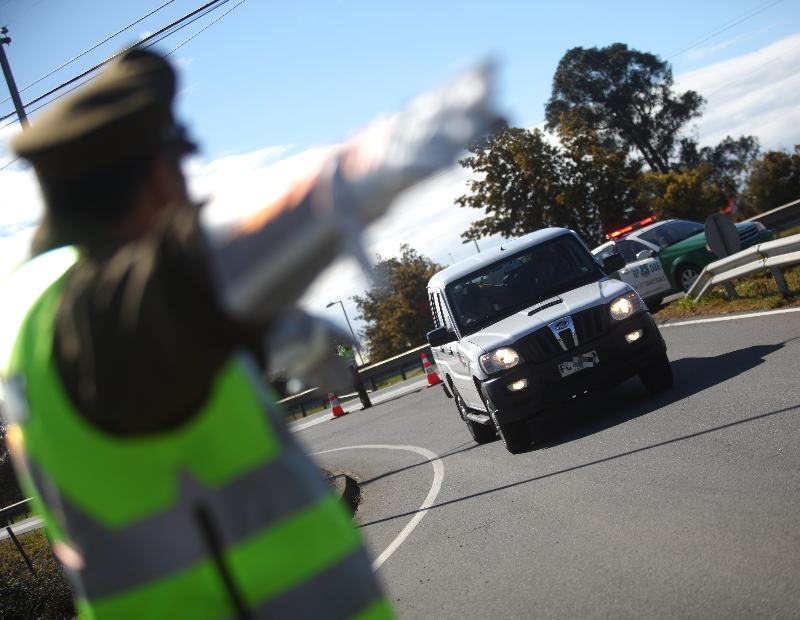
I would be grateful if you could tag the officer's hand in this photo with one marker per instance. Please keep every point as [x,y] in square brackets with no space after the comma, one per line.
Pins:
[397,152]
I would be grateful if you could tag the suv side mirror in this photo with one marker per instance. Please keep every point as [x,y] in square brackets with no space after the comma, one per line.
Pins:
[613,263]
[643,254]
[439,336]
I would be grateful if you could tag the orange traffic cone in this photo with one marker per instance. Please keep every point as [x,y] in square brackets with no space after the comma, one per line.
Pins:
[430,373]
[336,408]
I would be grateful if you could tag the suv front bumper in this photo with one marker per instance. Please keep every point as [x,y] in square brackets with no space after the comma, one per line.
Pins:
[618,360]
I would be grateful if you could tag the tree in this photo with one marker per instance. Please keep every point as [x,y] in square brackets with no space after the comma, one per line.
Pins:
[519,179]
[10,492]
[524,182]
[687,194]
[729,162]
[625,96]
[774,180]
[396,308]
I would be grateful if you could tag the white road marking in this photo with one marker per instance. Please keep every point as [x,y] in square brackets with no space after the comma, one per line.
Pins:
[751,315]
[438,478]
[309,423]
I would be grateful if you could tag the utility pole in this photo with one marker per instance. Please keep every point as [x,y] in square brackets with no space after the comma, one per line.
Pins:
[12,85]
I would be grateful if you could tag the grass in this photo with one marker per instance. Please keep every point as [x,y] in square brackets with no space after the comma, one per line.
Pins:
[757,292]
[44,595]
[789,232]
[410,374]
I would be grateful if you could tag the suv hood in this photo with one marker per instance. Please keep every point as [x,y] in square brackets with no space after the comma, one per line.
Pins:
[511,328]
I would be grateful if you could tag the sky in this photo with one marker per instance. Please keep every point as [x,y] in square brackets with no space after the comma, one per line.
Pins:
[263,83]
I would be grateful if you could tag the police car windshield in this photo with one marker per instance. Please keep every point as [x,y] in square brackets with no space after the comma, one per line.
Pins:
[520,281]
[670,233]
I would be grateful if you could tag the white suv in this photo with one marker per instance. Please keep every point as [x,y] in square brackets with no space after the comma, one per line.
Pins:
[534,322]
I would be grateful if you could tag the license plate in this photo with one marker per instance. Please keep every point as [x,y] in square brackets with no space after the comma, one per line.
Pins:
[579,362]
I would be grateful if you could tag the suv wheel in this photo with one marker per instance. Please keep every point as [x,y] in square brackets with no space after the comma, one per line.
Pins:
[515,436]
[657,376]
[687,274]
[481,433]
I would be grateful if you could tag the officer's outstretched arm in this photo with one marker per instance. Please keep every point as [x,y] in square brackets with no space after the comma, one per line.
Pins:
[264,259]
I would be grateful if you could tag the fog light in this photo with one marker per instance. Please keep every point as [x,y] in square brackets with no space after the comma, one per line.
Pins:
[633,336]
[519,384]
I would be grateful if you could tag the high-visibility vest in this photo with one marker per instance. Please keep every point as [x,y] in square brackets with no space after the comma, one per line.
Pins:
[223,517]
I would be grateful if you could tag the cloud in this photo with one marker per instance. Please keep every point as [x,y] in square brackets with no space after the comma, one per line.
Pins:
[184,61]
[20,204]
[699,53]
[753,94]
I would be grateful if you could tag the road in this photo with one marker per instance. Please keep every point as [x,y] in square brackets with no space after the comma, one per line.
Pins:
[686,504]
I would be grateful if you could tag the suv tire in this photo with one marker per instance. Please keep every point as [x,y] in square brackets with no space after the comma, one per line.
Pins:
[515,436]
[657,376]
[481,433]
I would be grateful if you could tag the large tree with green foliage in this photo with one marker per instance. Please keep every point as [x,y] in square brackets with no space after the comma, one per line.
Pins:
[525,181]
[774,180]
[618,152]
[626,97]
[396,308]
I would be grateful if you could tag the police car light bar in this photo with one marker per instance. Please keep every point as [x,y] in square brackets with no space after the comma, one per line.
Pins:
[629,228]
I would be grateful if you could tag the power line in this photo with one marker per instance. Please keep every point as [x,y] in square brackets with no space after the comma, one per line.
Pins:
[24,12]
[206,27]
[11,121]
[91,49]
[204,9]
[9,164]
[187,24]
[726,26]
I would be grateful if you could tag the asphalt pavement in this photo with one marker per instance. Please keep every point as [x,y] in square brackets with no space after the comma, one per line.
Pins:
[684,504]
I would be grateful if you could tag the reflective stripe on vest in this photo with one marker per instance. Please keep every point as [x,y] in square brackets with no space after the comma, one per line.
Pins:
[130,505]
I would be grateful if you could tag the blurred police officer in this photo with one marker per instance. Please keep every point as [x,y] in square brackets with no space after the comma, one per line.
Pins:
[169,484]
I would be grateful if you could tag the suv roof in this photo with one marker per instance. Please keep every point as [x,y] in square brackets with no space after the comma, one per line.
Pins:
[488,257]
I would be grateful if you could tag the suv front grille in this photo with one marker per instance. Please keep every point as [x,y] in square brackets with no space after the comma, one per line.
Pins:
[542,345]
[590,323]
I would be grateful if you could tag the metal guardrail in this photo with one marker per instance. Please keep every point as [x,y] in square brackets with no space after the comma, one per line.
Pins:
[14,510]
[371,375]
[770,255]
[779,218]
[6,513]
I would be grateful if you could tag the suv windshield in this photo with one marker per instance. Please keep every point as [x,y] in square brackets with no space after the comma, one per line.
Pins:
[669,233]
[519,281]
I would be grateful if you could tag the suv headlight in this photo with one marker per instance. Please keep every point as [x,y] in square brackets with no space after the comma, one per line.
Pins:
[625,306]
[499,359]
